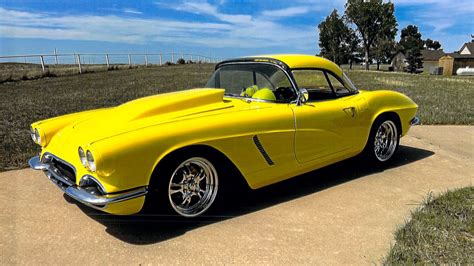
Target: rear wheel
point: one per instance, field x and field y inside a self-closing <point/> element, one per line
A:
<point x="383" y="140"/>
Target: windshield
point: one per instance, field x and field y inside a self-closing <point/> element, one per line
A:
<point x="257" y="81"/>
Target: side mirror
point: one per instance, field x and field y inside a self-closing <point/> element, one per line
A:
<point x="304" y="95"/>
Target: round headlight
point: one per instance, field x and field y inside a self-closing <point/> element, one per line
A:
<point x="90" y="161"/>
<point x="33" y="135"/>
<point x="37" y="136"/>
<point x="82" y="156"/>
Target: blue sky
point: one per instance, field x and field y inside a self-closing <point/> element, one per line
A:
<point x="220" y="28"/>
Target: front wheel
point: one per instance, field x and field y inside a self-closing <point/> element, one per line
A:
<point x="193" y="186"/>
<point x="383" y="140"/>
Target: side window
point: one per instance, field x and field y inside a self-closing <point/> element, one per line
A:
<point x="338" y="87"/>
<point x="315" y="82"/>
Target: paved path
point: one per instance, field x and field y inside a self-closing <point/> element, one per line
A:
<point x="341" y="214"/>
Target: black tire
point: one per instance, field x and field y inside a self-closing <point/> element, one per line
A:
<point x="383" y="141"/>
<point x="176" y="179"/>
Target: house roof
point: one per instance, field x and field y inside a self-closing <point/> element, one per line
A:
<point x="470" y="47"/>
<point x="432" y="55"/>
<point x="396" y="54"/>
<point x="461" y="56"/>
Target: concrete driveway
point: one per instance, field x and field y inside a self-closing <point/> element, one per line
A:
<point x="340" y="214"/>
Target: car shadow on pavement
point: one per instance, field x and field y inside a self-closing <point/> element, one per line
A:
<point x="143" y="229"/>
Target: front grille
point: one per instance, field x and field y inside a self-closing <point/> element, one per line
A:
<point x="65" y="170"/>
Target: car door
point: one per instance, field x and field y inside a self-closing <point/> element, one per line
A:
<point x="326" y="123"/>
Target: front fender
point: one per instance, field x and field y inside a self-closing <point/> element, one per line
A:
<point x="48" y="128"/>
<point x="384" y="101"/>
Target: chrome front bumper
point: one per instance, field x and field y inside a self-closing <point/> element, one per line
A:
<point x="71" y="189"/>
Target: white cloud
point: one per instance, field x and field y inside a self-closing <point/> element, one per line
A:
<point x="17" y="24"/>
<point x="287" y="12"/>
<point x="208" y="9"/>
<point x="253" y="31"/>
<point x="231" y="31"/>
<point x="132" y="11"/>
<point x="439" y="14"/>
<point x="126" y="10"/>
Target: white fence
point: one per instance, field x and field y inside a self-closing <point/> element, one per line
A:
<point x="108" y="59"/>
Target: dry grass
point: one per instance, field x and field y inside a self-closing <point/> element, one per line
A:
<point x="441" y="100"/>
<point x="24" y="102"/>
<point x="440" y="232"/>
<point x="25" y="71"/>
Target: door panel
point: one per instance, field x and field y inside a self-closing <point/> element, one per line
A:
<point x="324" y="129"/>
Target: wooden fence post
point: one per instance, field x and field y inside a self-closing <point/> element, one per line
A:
<point x="161" y="60"/>
<point x="79" y="63"/>
<point x="42" y="63"/>
<point x="172" y="57"/>
<point x="129" y="61"/>
<point x="146" y="60"/>
<point x="107" y="60"/>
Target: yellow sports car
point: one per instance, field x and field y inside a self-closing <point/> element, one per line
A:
<point x="262" y="118"/>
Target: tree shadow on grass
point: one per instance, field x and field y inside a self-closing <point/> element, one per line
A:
<point x="143" y="229"/>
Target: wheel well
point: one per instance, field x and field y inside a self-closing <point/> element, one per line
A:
<point x="394" y="116"/>
<point x="223" y="162"/>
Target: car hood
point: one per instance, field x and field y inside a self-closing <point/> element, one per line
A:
<point x="142" y="113"/>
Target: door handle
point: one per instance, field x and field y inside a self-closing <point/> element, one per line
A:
<point x="350" y="111"/>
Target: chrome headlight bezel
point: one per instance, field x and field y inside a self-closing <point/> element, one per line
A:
<point x="82" y="157"/>
<point x="33" y="135"/>
<point x="37" y="136"/>
<point x="90" y="161"/>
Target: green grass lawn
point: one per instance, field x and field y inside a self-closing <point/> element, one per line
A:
<point x="442" y="100"/>
<point x="440" y="232"/>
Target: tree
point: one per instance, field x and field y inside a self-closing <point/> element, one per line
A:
<point x="411" y="45"/>
<point x="432" y="45"/>
<point x="352" y="47"/>
<point x="373" y="19"/>
<point x="333" y="37"/>
<point x="383" y="50"/>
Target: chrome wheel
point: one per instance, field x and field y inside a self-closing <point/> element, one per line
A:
<point x="385" y="141"/>
<point x="193" y="187"/>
